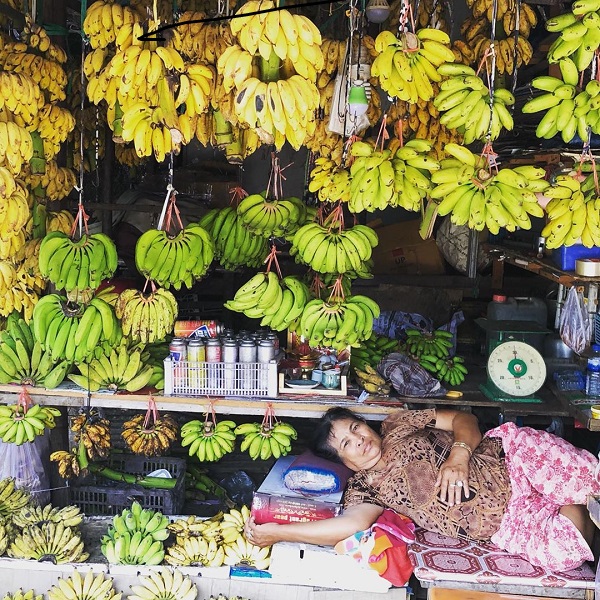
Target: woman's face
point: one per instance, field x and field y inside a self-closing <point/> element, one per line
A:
<point x="357" y="445"/>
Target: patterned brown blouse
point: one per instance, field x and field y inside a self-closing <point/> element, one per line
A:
<point x="413" y="451"/>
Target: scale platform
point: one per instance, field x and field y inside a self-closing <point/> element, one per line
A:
<point x="494" y="393"/>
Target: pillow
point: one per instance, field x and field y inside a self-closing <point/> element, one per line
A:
<point x="311" y="474"/>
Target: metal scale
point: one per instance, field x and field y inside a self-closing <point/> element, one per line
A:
<point x="515" y="369"/>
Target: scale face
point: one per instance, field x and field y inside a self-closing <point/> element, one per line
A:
<point x="516" y="369"/>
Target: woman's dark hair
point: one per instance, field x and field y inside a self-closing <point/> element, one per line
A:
<point x="320" y="440"/>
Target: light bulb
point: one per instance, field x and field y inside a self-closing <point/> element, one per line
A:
<point x="358" y="103"/>
<point x="377" y="11"/>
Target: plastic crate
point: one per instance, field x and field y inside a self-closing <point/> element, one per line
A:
<point x="570" y="380"/>
<point x="105" y="497"/>
<point x="597" y="328"/>
<point x="184" y="378"/>
<point x="565" y="256"/>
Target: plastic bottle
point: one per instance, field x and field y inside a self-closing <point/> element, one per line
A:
<point x="592" y="378"/>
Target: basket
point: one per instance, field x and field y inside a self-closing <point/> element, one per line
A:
<point x="105" y="497"/>
<point x="186" y="378"/>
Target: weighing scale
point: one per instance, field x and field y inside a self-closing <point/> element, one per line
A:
<point x="515" y="369"/>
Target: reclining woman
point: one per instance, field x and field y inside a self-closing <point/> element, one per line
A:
<point x="522" y="489"/>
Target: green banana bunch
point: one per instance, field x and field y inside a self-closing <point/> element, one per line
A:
<point x="69" y="516"/>
<point x="49" y="541"/>
<point x="91" y="587"/>
<point x="197" y="480"/>
<point x="165" y="584"/>
<point x="339" y="323"/>
<point x="330" y="248"/>
<point x="18" y="426"/>
<point x="21" y="595"/>
<point x="450" y="369"/>
<point x="263" y="440"/>
<point x="136" y="537"/>
<point x="207" y="440"/>
<point x="23" y="360"/>
<point x="173" y="261"/>
<point x="78" y="267"/>
<point x="371" y="351"/>
<point x="125" y="368"/>
<point x="380" y="178"/>
<point x="235" y="245"/>
<point x="469" y="106"/>
<point x="476" y="195"/>
<point x="436" y="343"/>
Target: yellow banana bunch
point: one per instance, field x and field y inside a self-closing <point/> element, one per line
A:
<point x="479" y="197"/>
<point x="16" y="147"/>
<point x="21" y="96"/>
<point x="380" y="178"/>
<point x="232" y="523"/>
<point x="59" y="543"/>
<point x="90" y="587"/>
<point x="201" y="42"/>
<point x="14" y="206"/>
<point x="69" y="516"/>
<point x="324" y="143"/>
<point x="55" y="124"/>
<point x="59" y="221"/>
<point x="164" y="585"/>
<point x="93" y="432"/>
<point x="126" y="155"/>
<point x="207" y="440"/>
<point x="242" y="552"/>
<point x="67" y="463"/>
<point x="150" y="439"/>
<point x="338" y="323"/>
<point x="262" y="441"/>
<point x="173" y="261"/>
<point x="371" y="381"/>
<point x="58" y="182"/>
<point x="21" y="595"/>
<point x="429" y="14"/>
<point x="195" y="551"/>
<point x="103" y="20"/>
<point x="235" y="245"/>
<point x="146" y="318"/>
<point x="330" y="182"/>
<point x="463" y="53"/>
<point x="12" y="498"/>
<point x="406" y="65"/>
<point x="466" y="104"/>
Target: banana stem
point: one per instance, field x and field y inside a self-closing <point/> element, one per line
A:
<point x="38" y="161"/>
<point x="159" y="483"/>
<point x="269" y="69"/>
<point x="223" y="133"/>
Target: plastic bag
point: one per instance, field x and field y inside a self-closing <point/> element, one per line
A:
<point x="574" y="326"/>
<point x="240" y="488"/>
<point x="25" y="464"/>
<point x="409" y="378"/>
<point x="394" y="323"/>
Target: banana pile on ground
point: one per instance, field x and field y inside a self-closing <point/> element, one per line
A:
<point x="91" y="587"/>
<point x="54" y="537"/>
<point x="568" y="110"/>
<point x="277" y="302"/>
<point x="380" y="178"/>
<point x="164" y="585"/>
<point x="93" y="431"/>
<point x="329" y="181"/>
<point x="448" y="370"/>
<point x="267" y="439"/>
<point x="21" y="595"/>
<point x="124" y="368"/>
<point x="77" y="266"/>
<point x="406" y="65"/>
<point x="281" y="102"/>
<point x="150" y="438"/>
<point x="23" y="359"/>
<point x="74" y="332"/>
<point x="371" y="381"/>
<point x="371" y="351"/>
<point x="578" y="34"/>
<point x="338" y="323"/>
<point x="174" y="260"/>
<point x="476" y="196"/>
<point x="207" y="440"/>
<point x="235" y="245"/>
<point x="465" y="100"/>
<point x="18" y="426"/>
<point x="146" y="317"/>
<point x="136" y="536"/>
<point x="511" y="51"/>
<point x="573" y="212"/>
<point x="332" y="248"/>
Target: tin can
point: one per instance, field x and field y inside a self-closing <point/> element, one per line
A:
<point x="196" y="370"/>
<point x="265" y="352"/>
<point x="274" y="339"/>
<point x="248" y="367"/>
<point x="198" y="329"/>
<point x="214" y="367"/>
<point x="229" y="356"/>
<point x="178" y="354"/>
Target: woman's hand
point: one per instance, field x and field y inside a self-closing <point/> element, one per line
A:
<point x="261" y="535"/>
<point x="453" y="478"/>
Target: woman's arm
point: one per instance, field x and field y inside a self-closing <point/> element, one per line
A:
<point x="465" y="428"/>
<point x="326" y="532"/>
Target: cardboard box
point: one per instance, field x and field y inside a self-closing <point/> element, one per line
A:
<point x="402" y="251"/>
<point x="273" y="502"/>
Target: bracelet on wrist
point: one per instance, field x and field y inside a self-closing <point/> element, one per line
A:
<point x="463" y="445"/>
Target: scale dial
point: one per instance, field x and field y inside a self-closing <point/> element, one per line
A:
<point x="516" y="368"/>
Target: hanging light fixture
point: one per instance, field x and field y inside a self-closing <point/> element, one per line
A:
<point x="377" y="11"/>
<point x="358" y="103"/>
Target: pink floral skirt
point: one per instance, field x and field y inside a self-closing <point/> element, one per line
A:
<point x="546" y="473"/>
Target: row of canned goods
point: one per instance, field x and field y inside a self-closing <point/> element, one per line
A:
<point x="213" y="362"/>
